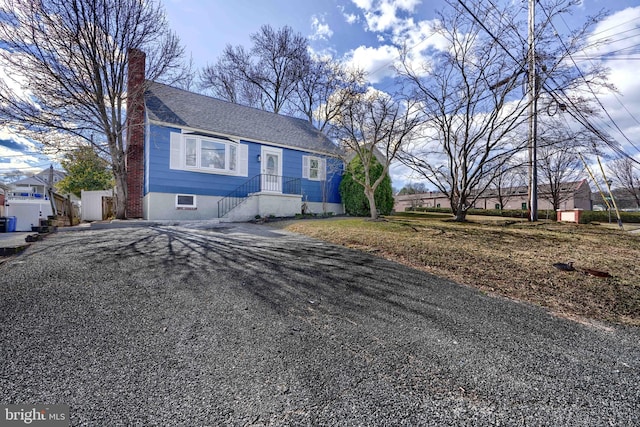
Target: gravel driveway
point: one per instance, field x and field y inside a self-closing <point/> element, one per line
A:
<point x="246" y="325"/>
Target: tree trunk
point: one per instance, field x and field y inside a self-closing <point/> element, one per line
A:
<point x="121" y="195"/>
<point x="460" y="210"/>
<point x="370" y="193"/>
<point x="461" y="215"/>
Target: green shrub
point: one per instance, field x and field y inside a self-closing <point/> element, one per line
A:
<point x="421" y="209"/>
<point x="352" y="193"/>
<point x="603" y="216"/>
<point x="586" y="217"/>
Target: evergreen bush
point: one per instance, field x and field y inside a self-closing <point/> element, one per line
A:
<point x="352" y="193"/>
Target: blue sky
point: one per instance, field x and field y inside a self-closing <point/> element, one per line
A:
<point x="369" y="32"/>
<point x="366" y="33"/>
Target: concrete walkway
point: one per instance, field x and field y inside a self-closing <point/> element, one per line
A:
<point x="12" y="243"/>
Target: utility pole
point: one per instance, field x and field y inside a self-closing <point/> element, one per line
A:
<point x="533" y="116"/>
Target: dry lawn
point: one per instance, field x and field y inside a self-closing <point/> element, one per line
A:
<point x="512" y="259"/>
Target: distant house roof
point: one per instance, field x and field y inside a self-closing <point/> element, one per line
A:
<point x="41" y="178"/>
<point x="188" y="109"/>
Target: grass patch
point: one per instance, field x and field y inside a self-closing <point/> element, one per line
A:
<point x="512" y="259"/>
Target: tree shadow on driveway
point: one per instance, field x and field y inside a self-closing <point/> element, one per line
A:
<point x="277" y="328"/>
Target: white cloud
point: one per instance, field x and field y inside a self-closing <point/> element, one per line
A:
<point x="376" y="61"/>
<point x="421" y="36"/>
<point x="616" y="35"/>
<point x="383" y="18"/>
<point x="383" y="15"/>
<point x="363" y="4"/>
<point x="612" y="42"/>
<point x="350" y="18"/>
<point x="321" y="30"/>
<point x="395" y="29"/>
<point x="22" y="157"/>
<point x="418" y="39"/>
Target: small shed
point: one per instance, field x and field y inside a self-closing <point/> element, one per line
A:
<point x="92" y="204"/>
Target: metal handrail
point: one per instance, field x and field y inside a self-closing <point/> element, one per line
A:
<point x="256" y="184"/>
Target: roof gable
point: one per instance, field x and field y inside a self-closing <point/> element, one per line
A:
<point x="31" y="180"/>
<point x="182" y="108"/>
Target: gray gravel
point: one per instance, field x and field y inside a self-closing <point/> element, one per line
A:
<point x="245" y="325"/>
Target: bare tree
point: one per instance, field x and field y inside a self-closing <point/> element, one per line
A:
<point x="413" y="188"/>
<point x="371" y="125"/>
<point x="322" y="90"/>
<point x="469" y="121"/>
<point x="559" y="165"/>
<point x="472" y="98"/>
<point x="627" y="177"/>
<point x="509" y="178"/>
<point x="266" y="76"/>
<point x="65" y="65"/>
<point x="223" y="81"/>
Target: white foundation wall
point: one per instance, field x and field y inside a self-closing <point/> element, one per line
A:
<point x="318" y="209"/>
<point x="278" y="205"/>
<point x="162" y="206"/>
<point x="159" y="206"/>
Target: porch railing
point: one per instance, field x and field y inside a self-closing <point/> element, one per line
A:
<point x="256" y="184"/>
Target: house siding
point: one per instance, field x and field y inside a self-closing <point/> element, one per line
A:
<point x="162" y="179"/>
<point x="159" y="178"/>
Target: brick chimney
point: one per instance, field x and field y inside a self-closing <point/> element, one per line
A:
<point x="135" y="133"/>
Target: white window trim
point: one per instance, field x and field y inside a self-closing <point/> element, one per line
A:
<point x="227" y="154"/>
<point x="178" y="155"/>
<point x="192" y="206"/>
<point x="306" y="168"/>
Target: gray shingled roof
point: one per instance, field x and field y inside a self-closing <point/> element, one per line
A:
<point x="187" y="109"/>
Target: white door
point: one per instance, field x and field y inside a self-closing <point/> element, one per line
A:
<point x="271" y="159"/>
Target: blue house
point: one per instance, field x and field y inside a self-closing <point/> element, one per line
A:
<point x="197" y="157"/>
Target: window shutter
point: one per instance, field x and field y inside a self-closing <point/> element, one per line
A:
<point x="243" y="160"/>
<point x="175" y="155"/>
<point x="305" y="167"/>
<point x="322" y="169"/>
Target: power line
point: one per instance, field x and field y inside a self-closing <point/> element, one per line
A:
<point x="608" y="58"/>
<point x="589" y="85"/>
<point x="606" y="41"/>
<point x="577" y="114"/>
<point x="615" y="27"/>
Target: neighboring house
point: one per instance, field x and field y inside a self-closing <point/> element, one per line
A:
<point x="38" y="184"/>
<point x="574" y="195"/>
<point x="191" y="156"/>
<point x="33" y="199"/>
<point x="3" y="192"/>
<point x="624" y="200"/>
<point x="29" y="200"/>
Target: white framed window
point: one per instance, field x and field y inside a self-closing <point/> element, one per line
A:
<point x="186" y="201"/>
<point x="206" y="154"/>
<point x="210" y="154"/>
<point x="314" y="168"/>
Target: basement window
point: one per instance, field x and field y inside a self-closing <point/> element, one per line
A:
<point x="186" y="202"/>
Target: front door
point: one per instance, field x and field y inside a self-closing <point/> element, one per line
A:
<point x="271" y="169"/>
